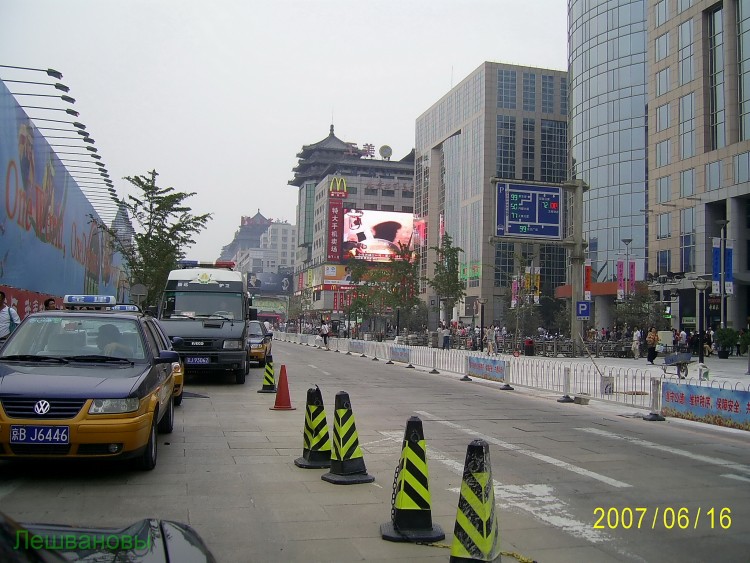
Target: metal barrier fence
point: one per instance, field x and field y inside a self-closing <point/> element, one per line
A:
<point x="622" y="385"/>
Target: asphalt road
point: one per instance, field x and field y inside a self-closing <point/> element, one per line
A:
<point x="572" y="483"/>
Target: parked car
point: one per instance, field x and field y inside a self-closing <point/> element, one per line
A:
<point x="260" y="343"/>
<point x="89" y="382"/>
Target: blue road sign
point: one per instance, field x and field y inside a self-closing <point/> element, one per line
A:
<point x="583" y="310"/>
<point x="528" y="211"/>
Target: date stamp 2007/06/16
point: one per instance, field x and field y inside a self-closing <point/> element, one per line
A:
<point x="665" y="518"/>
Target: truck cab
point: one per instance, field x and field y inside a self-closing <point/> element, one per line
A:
<point x="207" y="306"/>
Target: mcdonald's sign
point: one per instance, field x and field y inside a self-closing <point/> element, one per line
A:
<point x="337" y="187"/>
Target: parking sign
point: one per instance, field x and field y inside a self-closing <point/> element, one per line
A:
<point x="583" y="310"/>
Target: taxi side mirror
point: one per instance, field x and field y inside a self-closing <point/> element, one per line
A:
<point x="167" y="357"/>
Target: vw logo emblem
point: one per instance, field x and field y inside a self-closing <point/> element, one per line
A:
<point x="41" y="407"/>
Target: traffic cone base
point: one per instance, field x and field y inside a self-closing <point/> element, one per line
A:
<point x="347" y="479"/>
<point x="269" y="382"/>
<point x="311" y="464"/>
<point x="283" y="401"/>
<point x="431" y="534"/>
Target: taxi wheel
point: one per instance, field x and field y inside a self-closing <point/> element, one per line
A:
<point x="166" y="424"/>
<point x="239" y="376"/>
<point x="262" y="363"/>
<point x="178" y="399"/>
<point x="147" y="461"/>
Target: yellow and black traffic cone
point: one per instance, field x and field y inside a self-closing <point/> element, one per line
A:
<point x="316" y="447"/>
<point x="269" y="381"/>
<point x="347" y="462"/>
<point x="476" y="536"/>
<point x="411" y="515"/>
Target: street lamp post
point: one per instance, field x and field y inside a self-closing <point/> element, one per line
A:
<point x="482" y="303"/>
<point x="701" y="286"/>
<point x="722" y="292"/>
<point x="626" y="242"/>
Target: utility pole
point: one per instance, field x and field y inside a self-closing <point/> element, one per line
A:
<point x="577" y="247"/>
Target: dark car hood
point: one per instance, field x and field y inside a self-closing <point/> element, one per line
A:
<point x="203" y="328"/>
<point x="167" y="542"/>
<point x="110" y="381"/>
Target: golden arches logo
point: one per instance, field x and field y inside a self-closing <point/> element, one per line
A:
<point x="337" y="187"/>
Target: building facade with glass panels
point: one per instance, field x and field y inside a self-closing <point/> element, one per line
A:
<point x="502" y="121"/>
<point x="608" y="108"/>
<point x="699" y="154"/>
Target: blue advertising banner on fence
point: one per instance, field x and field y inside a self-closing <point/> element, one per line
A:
<point x="357" y="346"/>
<point x="487" y="368"/>
<point x="399" y="354"/>
<point x="722" y="407"/>
<point x="48" y="242"/>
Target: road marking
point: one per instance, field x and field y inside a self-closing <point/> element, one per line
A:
<point x="537" y="500"/>
<point x="676" y="451"/>
<point x="317" y="368"/>
<point x="736" y="477"/>
<point x="541" y="457"/>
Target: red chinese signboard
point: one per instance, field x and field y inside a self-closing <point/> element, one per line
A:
<point x="335" y="218"/>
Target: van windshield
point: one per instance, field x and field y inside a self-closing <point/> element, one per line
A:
<point x="201" y="304"/>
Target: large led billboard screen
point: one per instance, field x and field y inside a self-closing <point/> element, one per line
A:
<point x="375" y="235"/>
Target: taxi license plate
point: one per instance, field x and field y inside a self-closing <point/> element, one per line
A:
<point x="39" y="434"/>
<point x="197" y="360"/>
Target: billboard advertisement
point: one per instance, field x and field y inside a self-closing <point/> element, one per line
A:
<point x="270" y="283"/>
<point x="48" y="243"/>
<point x="375" y="235"/>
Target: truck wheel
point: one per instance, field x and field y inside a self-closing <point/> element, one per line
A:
<point x="239" y="376"/>
<point x="247" y="367"/>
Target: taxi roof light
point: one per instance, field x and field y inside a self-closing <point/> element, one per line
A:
<point x="81" y="301"/>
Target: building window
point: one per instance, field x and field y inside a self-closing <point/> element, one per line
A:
<point x="548" y="94"/>
<point x="664" y="222"/>
<point x="371" y="206"/>
<point x="385" y="207"/>
<point x="662" y="82"/>
<point x="351" y="190"/>
<point x="743" y="48"/>
<point x="687" y="126"/>
<point x="407" y="209"/>
<point x="371" y="191"/>
<point x="685" y="52"/>
<point x="687" y="239"/>
<point x="661" y="12"/>
<point x="713" y="175"/>
<point x="553" y="149"/>
<point x="716" y="80"/>
<point x="388" y="193"/>
<point x="407" y="194"/>
<point x="563" y="95"/>
<point x="506" y="89"/>
<point x="663" y="189"/>
<point x="529" y="91"/>
<point x="663" y="261"/>
<point x="742" y="168"/>
<point x="663" y="152"/>
<point x="683" y="5"/>
<point x="662" y="46"/>
<point x="529" y="149"/>
<point x="506" y="146"/>
<point x="687" y="182"/>
<point x="662" y="117"/>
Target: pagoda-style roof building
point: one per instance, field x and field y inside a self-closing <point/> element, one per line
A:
<point x="334" y="156"/>
<point x="248" y="235"/>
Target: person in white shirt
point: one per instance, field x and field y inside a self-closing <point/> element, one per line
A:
<point x="7" y="314"/>
<point x="324" y="334"/>
<point x="636" y="343"/>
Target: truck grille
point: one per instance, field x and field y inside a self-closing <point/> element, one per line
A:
<point x="59" y="408"/>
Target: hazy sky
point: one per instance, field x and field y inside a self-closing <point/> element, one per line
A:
<point x="220" y="95"/>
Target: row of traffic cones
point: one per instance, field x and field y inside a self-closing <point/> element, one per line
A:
<point x="475" y="535"/>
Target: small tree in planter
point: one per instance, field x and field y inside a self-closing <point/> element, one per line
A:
<point x="726" y="340"/>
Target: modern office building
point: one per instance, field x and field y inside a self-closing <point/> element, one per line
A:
<point x="350" y="205"/>
<point x="699" y="152"/>
<point x="502" y="121"/>
<point x="607" y="43"/>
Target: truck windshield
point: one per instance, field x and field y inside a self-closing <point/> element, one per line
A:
<point x="195" y="304"/>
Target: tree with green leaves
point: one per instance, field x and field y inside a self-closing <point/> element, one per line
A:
<point x="446" y="282"/>
<point x="164" y="227"/>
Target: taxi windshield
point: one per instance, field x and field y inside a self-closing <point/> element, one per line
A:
<point x="75" y="336"/>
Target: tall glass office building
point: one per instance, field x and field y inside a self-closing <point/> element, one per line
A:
<point x="608" y="111"/>
<point x="501" y="121"/>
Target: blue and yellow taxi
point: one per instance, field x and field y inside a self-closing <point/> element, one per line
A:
<point x="260" y="343"/>
<point x="96" y="380"/>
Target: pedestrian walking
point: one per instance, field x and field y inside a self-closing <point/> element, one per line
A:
<point x="652" y="340"/>
<point x="324" y="330"/>
<point x="9" y="318"/>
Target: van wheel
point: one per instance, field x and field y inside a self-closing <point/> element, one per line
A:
<point x="239" y="376"/>
<point x="147" y="461"/>
<point x="166" y="424"/>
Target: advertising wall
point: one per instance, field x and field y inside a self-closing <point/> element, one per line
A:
<point x="270" y="283"/>
<point x="375" y="235"/>
<point x="48" y="243"/>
